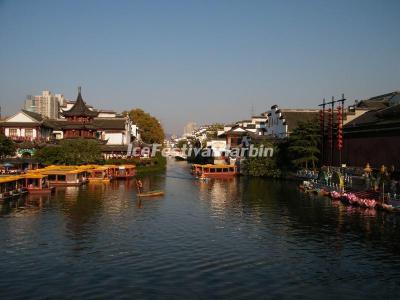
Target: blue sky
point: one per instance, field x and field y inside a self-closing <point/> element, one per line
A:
<point x="203" y="61"/>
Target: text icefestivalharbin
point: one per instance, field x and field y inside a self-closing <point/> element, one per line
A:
<point x="251" y="151"/>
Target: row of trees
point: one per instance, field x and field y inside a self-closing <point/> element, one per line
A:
<point x="71" y="152"/>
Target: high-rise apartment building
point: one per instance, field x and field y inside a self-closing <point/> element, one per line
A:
<point x="47" y="104"/>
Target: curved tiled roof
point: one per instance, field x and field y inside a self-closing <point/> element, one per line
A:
<point x="80" y="109"/>
<point x="110" y="123"/>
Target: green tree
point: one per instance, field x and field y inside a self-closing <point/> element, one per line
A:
<point x="151" y="129"/>
<point x="264" y="166"/>
<point x="50" y="155"/>
<point x="303" y="144"/>
<point x="71" y="152"/>
<point x="181" y="143"/>
<point x="7" y="146"/>
<point x="212" y="130"/>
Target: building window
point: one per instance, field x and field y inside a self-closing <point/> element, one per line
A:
<point x="13" y="132"/>
<point x="29" y="132"/>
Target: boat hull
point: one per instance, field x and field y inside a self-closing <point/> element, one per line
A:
<point x="41" y="191"/>
<point x="218" y="175"/>
<point x="151" y="194"/>
<point x="124" y="176"/>
<point x="66" y="183"/>
<point x="99" y="180"/>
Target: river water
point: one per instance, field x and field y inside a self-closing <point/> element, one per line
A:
<point x="243" y="238"/>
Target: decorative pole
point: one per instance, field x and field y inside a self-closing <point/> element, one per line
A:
<point x="341" y="126"/>
<point x="322" y="125"/>
<point x="332" y="147"/>
<point x="339" y="134"/>
<point x="330" y="127"/>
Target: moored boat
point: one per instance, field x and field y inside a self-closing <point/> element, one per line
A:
<point x="37" y="184"/>
<point x="125" y="172"/>
<point x="9" y="187"/>
<point x="63" y="177"/>
<point x="99" y="175"/>
<point x="214" y="171"/>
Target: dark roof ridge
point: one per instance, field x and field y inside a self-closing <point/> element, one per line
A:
<point x="80" y="108"/>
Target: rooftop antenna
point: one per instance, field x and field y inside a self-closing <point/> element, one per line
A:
<point x="252" y="110"/>
<point x="79" y="89"/>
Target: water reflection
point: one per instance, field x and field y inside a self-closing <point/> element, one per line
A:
<point x="237" y="238"/>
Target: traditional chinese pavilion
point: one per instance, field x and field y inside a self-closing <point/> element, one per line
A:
<point x="79" y="120"/>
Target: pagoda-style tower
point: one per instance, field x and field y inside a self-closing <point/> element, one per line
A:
<point x="79" y="120"/>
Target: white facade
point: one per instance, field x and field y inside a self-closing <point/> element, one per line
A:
<point x="218" y="147"/>
<point x="107" y="114"/>
<point x="120" y="131"/>
<point x="21" y="126"/>
<point x="276" y="125"/>
<point x="114" y="138"/>
<point x="279" y="120"/>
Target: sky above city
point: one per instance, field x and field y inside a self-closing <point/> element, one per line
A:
<point x="201" y="61"/>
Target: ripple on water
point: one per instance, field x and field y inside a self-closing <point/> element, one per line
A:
<point x="242" y="238"/>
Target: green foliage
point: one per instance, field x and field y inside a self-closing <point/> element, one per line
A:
<point x="181" y="143"/>
<point x="304" y="143"/>
<point x="71" y="152"/>
<point x="7" y="146"/>
<point x="263" y="166"/>
<point x="50" y="155"/>
<point x="152" y="131"/>
<point x="212" y="130"/>
<point x="152" y="164"/>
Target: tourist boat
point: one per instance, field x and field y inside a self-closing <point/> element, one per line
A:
<point x="8" y="187"/>
<point x="125" y="172"/>
<point x="65" y="177"/>
<point x="99" y="175"/>
<point x="20" y="187"/>
<point x="37" y="184"/>
<point x="214" y="171"/>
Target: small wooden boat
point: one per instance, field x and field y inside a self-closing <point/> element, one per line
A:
<point x="155" y="193"/>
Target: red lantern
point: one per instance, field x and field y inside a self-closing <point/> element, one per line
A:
<point x="339" y="129"/>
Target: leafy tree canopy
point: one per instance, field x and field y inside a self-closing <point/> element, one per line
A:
<point x="71" y="152"/>
<point x="7" y="146"/>
<point x="152" y="131"/>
